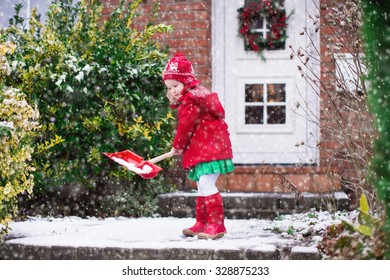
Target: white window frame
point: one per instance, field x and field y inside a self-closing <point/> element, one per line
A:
<point x="347" y="72"/>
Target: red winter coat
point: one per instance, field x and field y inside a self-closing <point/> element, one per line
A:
<point x="202" y="133"/>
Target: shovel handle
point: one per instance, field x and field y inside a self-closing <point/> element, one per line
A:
<point x="162" y="157"/>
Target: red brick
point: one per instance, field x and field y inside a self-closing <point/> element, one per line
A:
<point x="239" y="182"/>
<point x="184" y="33"/>
<point x="187" y="7"/>
<point x="300" y="182"/>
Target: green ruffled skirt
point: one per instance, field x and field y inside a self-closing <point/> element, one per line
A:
<point x="211" y="167"/>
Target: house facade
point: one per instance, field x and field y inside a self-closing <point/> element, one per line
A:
<point x="269" y="107"/>
<point x="275" y="114"/>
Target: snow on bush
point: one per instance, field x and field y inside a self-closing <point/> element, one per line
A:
<point x="18" y="120"/>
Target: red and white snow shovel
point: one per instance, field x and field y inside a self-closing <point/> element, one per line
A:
<point x="144" y="168"/>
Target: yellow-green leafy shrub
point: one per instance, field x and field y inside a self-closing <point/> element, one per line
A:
<point x="364" y="238"/>
<point x="18" y="120"/>
<point x="98" y="88"/>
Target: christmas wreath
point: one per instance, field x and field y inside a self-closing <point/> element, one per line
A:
<point x="254" y="12"/>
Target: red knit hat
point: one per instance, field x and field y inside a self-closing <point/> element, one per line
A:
<point x="179" y="69"/>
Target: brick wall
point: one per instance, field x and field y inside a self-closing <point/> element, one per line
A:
<point x="336" y="37"/>
<point x="327" y="37"/>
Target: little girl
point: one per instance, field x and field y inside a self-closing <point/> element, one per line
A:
<point x="202" y="138"/>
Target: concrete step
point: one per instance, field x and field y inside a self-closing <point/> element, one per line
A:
<point x="265" y="252"/>
<point x="254" y="205"/>
<point x="149" y="238"/>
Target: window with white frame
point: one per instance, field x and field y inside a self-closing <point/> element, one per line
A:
<point x="265" y="103"/>
<point x="350" y="72"/>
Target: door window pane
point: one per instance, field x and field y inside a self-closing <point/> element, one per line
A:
<point x="254" y="93"/>
<point x="276" y="93"/>
<point x="254" y="115"/>
<point x="276" y="114"/>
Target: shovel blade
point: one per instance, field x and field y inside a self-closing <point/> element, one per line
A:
<point x="127" y="156"/>
<point x="135" y="163"/>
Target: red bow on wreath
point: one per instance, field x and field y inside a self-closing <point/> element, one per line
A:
<point x="255" y="11"/>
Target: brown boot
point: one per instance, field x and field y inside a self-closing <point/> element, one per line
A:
<point x="201" y="218"/>
<point x="215" y="218"/>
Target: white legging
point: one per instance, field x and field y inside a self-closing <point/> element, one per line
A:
<point x="206" y="184"/>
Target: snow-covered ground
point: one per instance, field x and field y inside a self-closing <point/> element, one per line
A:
<point x="156" y="232"/>
<point x="289" y="230"/>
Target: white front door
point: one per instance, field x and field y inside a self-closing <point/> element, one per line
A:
<point x="261" y="97"/>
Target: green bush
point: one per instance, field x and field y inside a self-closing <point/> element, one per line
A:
<point x="98" y="87"/>
<point x="376" y="26"/>
<point x="17" y="125"/>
